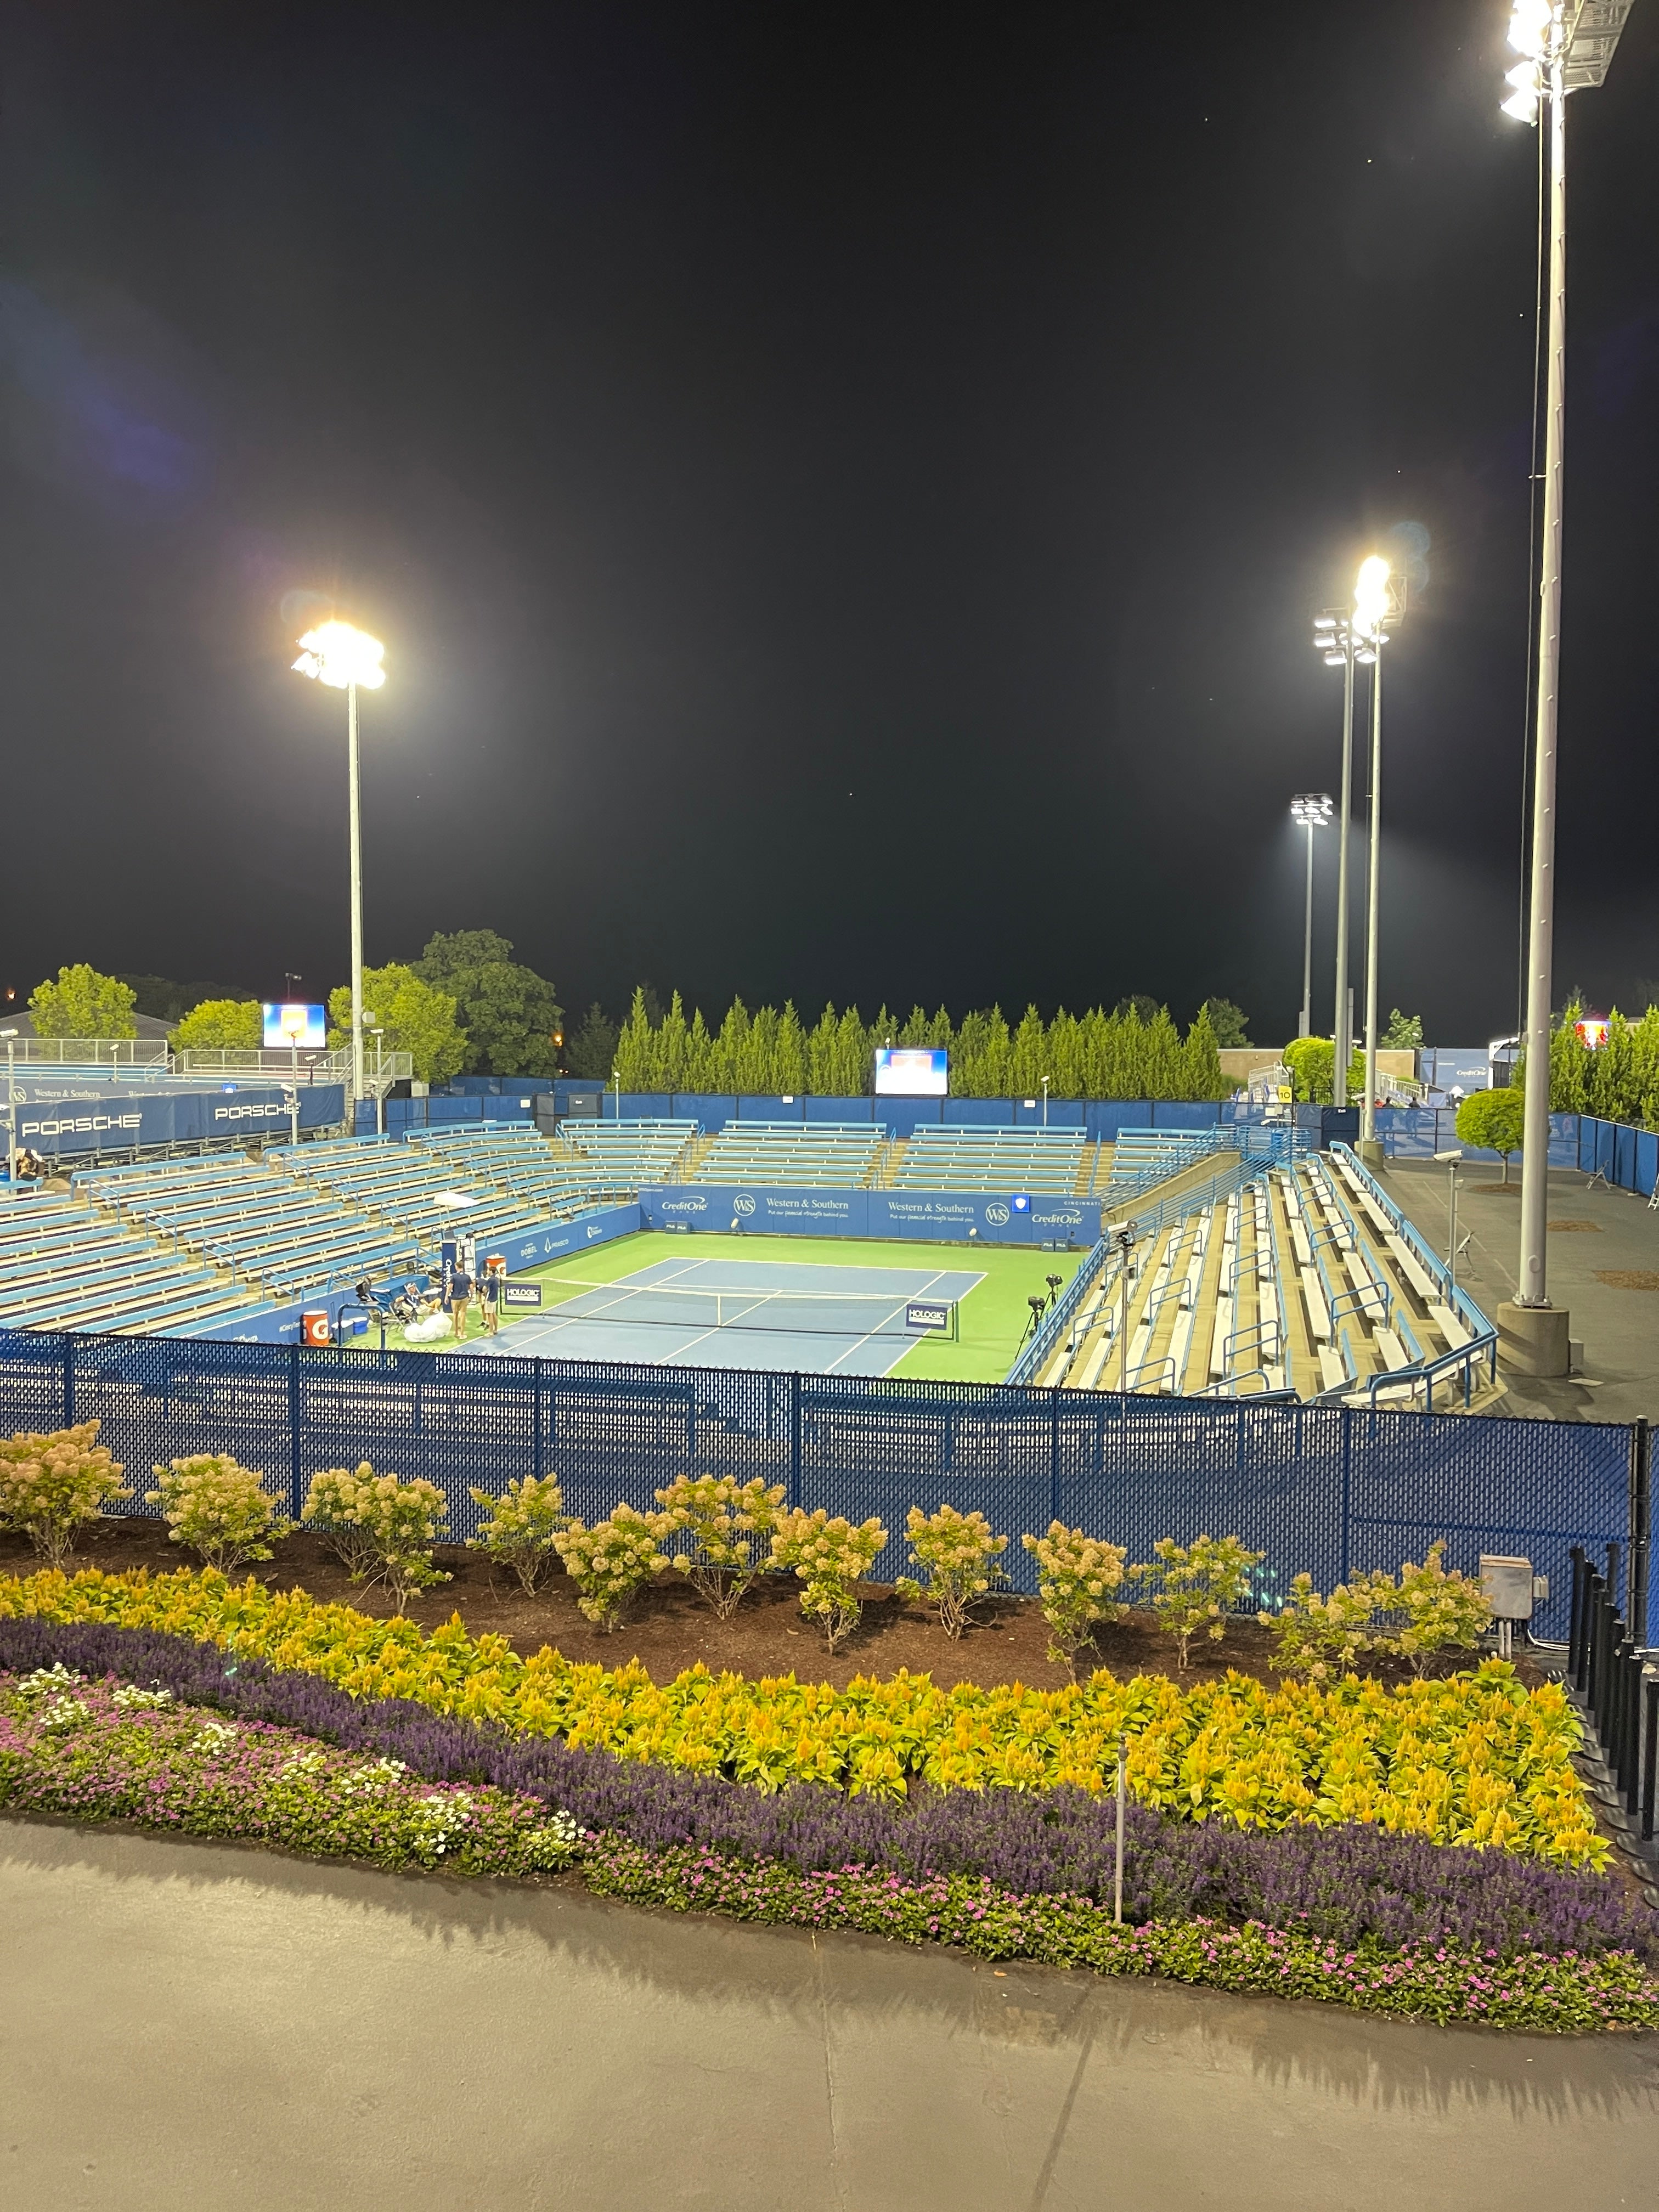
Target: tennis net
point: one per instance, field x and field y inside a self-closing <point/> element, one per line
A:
<point x="670" y="1305"/>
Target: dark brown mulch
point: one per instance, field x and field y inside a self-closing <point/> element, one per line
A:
<point x="673" y="1629"/>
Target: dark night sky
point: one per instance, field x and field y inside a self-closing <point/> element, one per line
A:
<point x="843" y="490"/>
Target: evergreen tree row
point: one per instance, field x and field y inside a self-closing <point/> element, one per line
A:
<point x="1617" y="1081"/>
<point x="770" y="1054"/>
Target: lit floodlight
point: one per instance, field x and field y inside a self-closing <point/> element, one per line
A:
<point x="1312" y="810"/>
<point x="339" y="656"/>
<point x="1530" y="26"/>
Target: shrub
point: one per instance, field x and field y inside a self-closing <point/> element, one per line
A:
<point x="1443" y="1610"/>
<point x="831" y="1558"/>
<point x="956" y="1551"/>
<point x="332" y="1513"/>
<point x="219" y="1510"/>
<point x="1318" y="1637"/>
<point x="380" y="1528"/>
<point x="1427" y="1612"/>
<point x="730" y="1524"/>
<point x="1192" y="1585"/>
<point x="523" y="1528"/>
<point x="612" y="1560"/>
<point x="52" y="1485"/>
<point x="1076" y="1576"/>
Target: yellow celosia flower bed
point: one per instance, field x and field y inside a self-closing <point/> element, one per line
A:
<point x="1476" y="1760"/>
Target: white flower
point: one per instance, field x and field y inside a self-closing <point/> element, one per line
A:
<point x="128" y="1699"/>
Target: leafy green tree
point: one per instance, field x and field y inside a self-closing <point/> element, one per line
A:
<point x="1145" y="1010"/>
<point x="416" y="1018"/>
<point x="1571" y="1064"/>
<point x="1404" y="1032"/>
<point x="512" y="1015"/>
<point x="591" y="1051"/>
<point x="82" y="1003"/>
<point x="672" y="1037"/>
<point x="221" y="1025"/>
<point x="789" y="1053"/>
<point x="1229" y="1024"/>
<point x="1312" y="1063"/>
<point x="1493" y="1120"/>
<point x="1164" y="1070"/>
<point x="1028" y="1056"/>
<point x="1065" y="1056"/>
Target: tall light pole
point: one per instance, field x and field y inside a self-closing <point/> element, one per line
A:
<point x="1377" y="602"/>
<point x="10" y="1036"/>
<point x="345" y="658"/>
<point x="1309" y="810"/>
<point x="1333" y="637"/>
<point x="1567" y="45"/>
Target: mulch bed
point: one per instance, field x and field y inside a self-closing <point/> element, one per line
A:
<point x="671" y="1629"/>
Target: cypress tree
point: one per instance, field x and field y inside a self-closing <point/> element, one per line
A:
<point x="1028" y="1056"/>
<point x="731" y="1046"/>
<point x="789" y="1053"/>
<point x="635" y="1047"/>
<point x="823" y="1046"/>
<point x="668" y="1068"/>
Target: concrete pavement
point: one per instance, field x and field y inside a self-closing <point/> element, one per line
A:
<point x="1615" y="1234"/>
<point x="187" y="2025"/>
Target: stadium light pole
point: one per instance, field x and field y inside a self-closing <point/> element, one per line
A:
<point x="10" y="1036"/>
<point x="1378" y="600"/>
<point x="1310" y="810"/>
<point x="1565" y="46"/>
<point x="345" y="658"/>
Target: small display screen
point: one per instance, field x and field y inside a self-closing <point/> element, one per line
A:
<point x="911" y="1071"/>
<point x="294" y="1024"/>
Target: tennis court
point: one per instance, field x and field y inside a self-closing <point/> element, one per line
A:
<point x="781" y="1315"/>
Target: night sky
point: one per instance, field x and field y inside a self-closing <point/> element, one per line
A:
<point x="843" y="491"/>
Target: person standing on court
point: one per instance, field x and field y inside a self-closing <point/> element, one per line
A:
<point x="460" y="1294"/>
<point x="489" y="1294"/>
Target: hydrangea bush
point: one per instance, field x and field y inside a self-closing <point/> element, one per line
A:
<point x="380" y="1527"/>
<point x="729" y="1527"/>
<point x="1077" y="1576"/>
<point x="51" y="1486"/>
<point x="957" y="1555"/>
<point x="612" y="1562"/>
<point x="1195" y="1586"/>
<point x="830" y="1557"/>
<point x="521" y="1527"/>
<point x="218" y="1509"/>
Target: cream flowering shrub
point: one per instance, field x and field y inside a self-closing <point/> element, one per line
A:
<point x="332" y="1513"/>
<point x="831" y="1558"/>
<point x="730" y="1524"/>
<point x="220" y="1511"/>
<point x="956" y="1552"/>
<point x="1195" y="1586"/>
<point x="522" y="1528"/>
<point x="612" y="1561"/>
<point x="1431" y="1609"/>
<point x="52" y="1485"/>
<point x="380" y="1528"/>
<point x="1076" y="1577"/>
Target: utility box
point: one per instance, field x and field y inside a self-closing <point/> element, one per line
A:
<point x="1508" y="1586"/>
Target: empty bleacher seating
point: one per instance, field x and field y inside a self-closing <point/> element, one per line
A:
<point x="791" y="1152"/>
<point x="626" y="1154"/>
<point x="991" y="1159"/>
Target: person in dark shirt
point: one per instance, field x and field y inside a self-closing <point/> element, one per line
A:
<point x="489" y="1294"/>
<point x="460" y="1297"/>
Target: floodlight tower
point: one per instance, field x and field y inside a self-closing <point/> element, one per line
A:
<point x="1309" y="810"/>
<point x="343" y="658"/>
<point x="1565" y="46"/>
<point x="1344" y="639"/>
<point x="1379" y="599"/>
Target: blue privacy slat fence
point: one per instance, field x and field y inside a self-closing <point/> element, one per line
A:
<point x="1330" y="1490"/>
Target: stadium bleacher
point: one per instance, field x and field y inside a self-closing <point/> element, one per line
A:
<point x="991" y="1159"/>
<point x="791" y="1153"/>
<point x="62" y="1266"/>
<point x="625" y="1154"/>
<point x="492" y="1182"/>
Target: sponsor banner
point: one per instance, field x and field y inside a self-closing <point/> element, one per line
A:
<point x="515" y="1295"/>
<point x="118" y="1122"/>
<point x="931" y="1316"/>
<point x="936" y="1217"/>
<point x="555" y="1240"/>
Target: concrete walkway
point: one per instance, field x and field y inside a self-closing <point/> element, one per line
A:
<point x="1605" y="1232"/>
<point x="190" y="2026"/>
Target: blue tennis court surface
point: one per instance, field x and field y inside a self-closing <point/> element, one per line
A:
<point x="780" y="1315"/>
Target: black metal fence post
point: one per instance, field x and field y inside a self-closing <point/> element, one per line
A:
<point x="1650" y="1754"/>
<point x="1576" y="1616"/>
<point x="1641" y="1527"/>
<point x="1619" y="1730"/>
